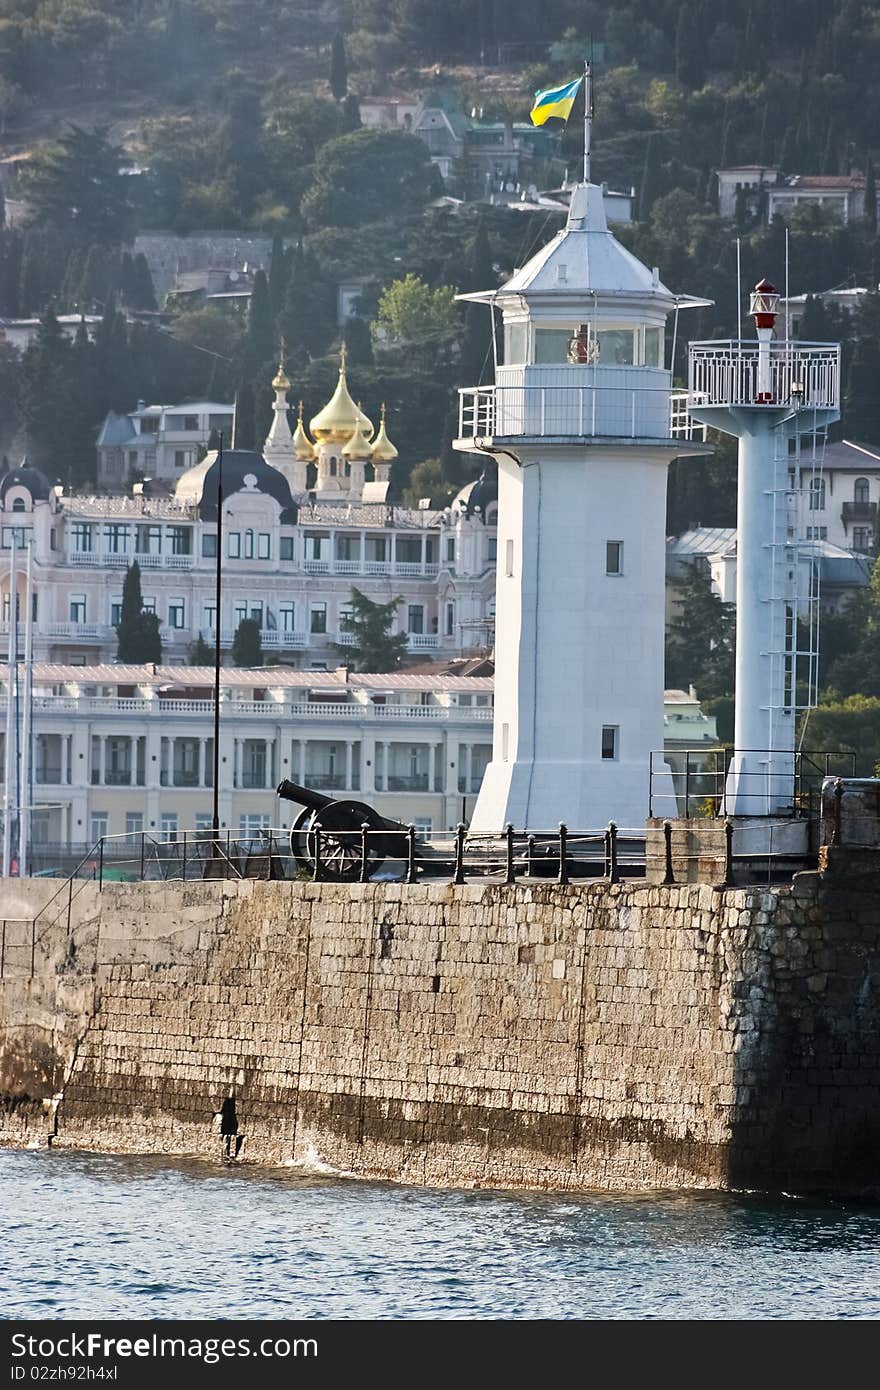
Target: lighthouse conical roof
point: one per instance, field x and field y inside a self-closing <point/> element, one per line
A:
<point x="585" y="258"/>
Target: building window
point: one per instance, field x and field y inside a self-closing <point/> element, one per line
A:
<point x="614" y="557"/>
<point x="251" y="827"/>
<point x="21" y="534"/>
<point x="176" y="612"/>
<point x="148" y="540"/>
<point x="505" y="742"/>
<point x="98" y="823"/>
<point x="150" y="604"/>
<point x="508" y="558"/>
<point x="288" y="617"/>
<point x="862" y="537"/>
<point x="817" y="495"/>
<point x="208" y="614"/>
<point x="861" y="491"/>
<point x="609" y="741"/>
<point x="285" y="548"/>
<point x="318" y="618"/>
<point x="264" y="546"/>
<point x="181" y="540"/>
<point x="233" y="548"/>
<point x="77" y="608"/>
<point x="314" y="546"/>
<point x="248" y="545"/>
<point x="134" y="825"/>
<point x="203" y="820"/>
<point x="209" y="545"/>
<point x="416" y="618"/>
<point x="116" y="537"/>
<point x="115" y="612"/>
<point x="492" y="549"/>
<point x="255" y="612"/>
<point x="82" y="537"/>
<point x="450" y="619"/>
<point x="168" y="824"/>
<point x="450" y="550"/>
<point x="817" y="533"/>
<point x="424" y="826"/>
<point x="180" y="458"/>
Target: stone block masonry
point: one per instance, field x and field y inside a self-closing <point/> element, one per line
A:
<point x="625" y="1036"/>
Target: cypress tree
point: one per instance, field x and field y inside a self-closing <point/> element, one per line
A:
<point x="247" y="645"/>
<point x="338" y="68"/>
<point x="279" y="270"/>
<point x="861" y="405"/>
<point x="143" y="288"/>
<point x="259" y="347"/>
<point x="870" y="197"/>
<point x="2" y="207"/>
<point x="294" y="318"/>
<point x="351" y="114"/>
<point x="359" y="342"/>
<point x="650" y="188"/>
<point x="243" y="425"/>
<point x="689" y="51"/>
<point x="138" y="639"/>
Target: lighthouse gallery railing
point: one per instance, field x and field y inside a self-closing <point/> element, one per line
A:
<point x="802" y="375"/>
<point x="574" y="412"/>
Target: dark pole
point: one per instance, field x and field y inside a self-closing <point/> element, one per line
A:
<point x="217" y="638"/>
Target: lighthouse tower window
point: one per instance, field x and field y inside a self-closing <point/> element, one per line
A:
<point x="609" y="741"/>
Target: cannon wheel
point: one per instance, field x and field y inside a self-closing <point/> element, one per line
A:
<point x="340" y="846"/>
<point x="298" y="839"/>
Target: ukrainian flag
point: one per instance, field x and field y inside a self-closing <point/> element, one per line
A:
<point x="555" y="101"/>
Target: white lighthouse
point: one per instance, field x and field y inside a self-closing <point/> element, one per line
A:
<point x="581" y="423"/>
<point x="768" y="393"/>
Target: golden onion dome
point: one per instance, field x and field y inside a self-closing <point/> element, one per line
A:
<point x="358" y="447"/>
<point x="340" y="417"/>
<point x="383" y="451"/>
<point x="302" y="445"/>
<point x="281" y="382"/>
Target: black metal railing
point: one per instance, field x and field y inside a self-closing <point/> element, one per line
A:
<point x="693" y="782"/>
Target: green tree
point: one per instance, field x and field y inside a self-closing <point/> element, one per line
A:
<point x="870" y="198"/>
<point x="247" y="645"/>
<point x="368" y="176"/>
<point x="849" y="726"/>
<point x="279" y="270"/>
<point x="143" y="292"/>
<point x="375" y="648"/>
<point x="359" y="342"/>
<point x="701" y="639"/>
<point x="259" y="347"/>
<point x="427" y="480"/>
<point x="413" y="315"/>
<point x="861" y="404"/>
<point x="77" y="185"/>
<point x="690" y="53"/>
<point x="853" y="636"/>
<point x="200" y="654"/>
<point x="338" y="68"/>
<point x="137" y="632"/>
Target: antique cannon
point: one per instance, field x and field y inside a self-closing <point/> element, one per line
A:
<point x="341" y="843"/>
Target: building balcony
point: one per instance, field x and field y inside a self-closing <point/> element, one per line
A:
<point x="858" y="514"/>
<point x="48" y="777"/>
<point x="325" y="781"/>
<point x="803" y="376"/>
<point x="607" y="403"/>
<point x="95" y="558"/>
<point x="422" y="641"/>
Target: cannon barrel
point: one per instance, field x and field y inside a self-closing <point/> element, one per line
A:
<point x="303" y="796"/>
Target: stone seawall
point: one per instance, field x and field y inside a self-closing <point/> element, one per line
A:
<point x="589" y="1036"/>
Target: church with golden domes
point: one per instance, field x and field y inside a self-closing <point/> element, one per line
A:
<point x="350" y="459"/>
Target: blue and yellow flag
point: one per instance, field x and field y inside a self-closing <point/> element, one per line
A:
<point x="555" y="101"/>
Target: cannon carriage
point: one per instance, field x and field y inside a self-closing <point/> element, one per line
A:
<point x="330" y="834"/>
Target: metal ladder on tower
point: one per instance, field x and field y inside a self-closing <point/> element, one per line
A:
<point x="794" y="591"/>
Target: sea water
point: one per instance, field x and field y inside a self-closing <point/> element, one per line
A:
<point x="95" y="1236"/>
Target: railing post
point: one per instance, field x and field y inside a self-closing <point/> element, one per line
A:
<point x="183" y="860"/>
<point x="2" y="948"/>
<point x="510" y="875"/>
<point x="563" y="853"/>
<point x="613" y="872"/>
<point x="411" y="854"/>
<point x="728" y="853"/>
<point x="365" y="827"/>
<point x="687" y="784"/>
<point x="458" y="876"/>
<point x="317" y="861"/>
<point x="669" y="875"/>
<point x="101" y="864"/>
<point x="530" y="855"/>
<point x="143" y="833"/>
<point x="650" y="784"/>
<point x="69" y="903"/>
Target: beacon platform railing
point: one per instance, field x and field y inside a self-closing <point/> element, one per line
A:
<point x="575" y="412"/>
<point x="692" y="782"/>
<point x="802" y="375"/>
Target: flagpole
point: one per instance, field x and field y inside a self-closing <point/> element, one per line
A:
<point x="588" y="117"/>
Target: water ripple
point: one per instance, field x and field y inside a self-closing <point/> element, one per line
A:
<point x="97" y="1236"/>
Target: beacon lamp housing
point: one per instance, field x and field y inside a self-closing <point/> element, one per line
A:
<point x="764" y="304"/>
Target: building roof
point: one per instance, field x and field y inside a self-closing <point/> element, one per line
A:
<point x="244" y="470"/>
<point x="819" y="181"/>
<point x="858" y="458"/>
<point x="33" y="479"/>
<point x="262" y="677"/>
<point x="116" y="430"/>
<point x="703" y="540"/>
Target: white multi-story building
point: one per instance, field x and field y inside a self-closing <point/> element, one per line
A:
<point x="303" y="523"/>
<point x="124" y="749"/>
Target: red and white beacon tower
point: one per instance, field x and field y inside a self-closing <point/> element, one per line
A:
<point x="767" y="394"/>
